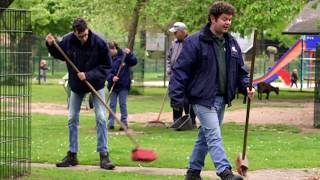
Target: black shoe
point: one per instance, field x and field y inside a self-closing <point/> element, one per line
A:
<point x="228" y="175"/>
<point x="193" y="175"/>
<point x="122" y="129"/>
<point x="69" y="160"/>
<point x="105" y="162"/>
<point x="111" y="127"/>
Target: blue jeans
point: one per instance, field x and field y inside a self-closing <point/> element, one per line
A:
<point x="100" y="111"/>
<point x="122" y="94"/>
<point x="209" y="137"/>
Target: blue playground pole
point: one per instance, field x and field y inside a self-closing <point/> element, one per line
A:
<point x="301" y="62"/>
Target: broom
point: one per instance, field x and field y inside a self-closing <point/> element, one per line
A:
<point x="158" y="121"/>
<point x="242" y="164"/>
<point x="137" y="153"/>
<point x="122" y="64"/>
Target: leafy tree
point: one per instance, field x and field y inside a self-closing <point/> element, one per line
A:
<point x="5" y="3"/>
<point x="113" y="17"/>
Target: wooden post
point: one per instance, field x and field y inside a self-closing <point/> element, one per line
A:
<point x="317" y="89"/>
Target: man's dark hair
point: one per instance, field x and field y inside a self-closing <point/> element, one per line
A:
<point x="220" y="7"/>
<point x="79" y="24"/>
<point x="113" y="45"/>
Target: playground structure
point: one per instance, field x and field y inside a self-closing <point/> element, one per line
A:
<point x="305" y="48"/>
<point x="15" y="93"/>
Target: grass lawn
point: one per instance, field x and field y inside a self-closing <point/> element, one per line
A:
<point x="46" y="174"/>
<point x="269" y="146"/>
<point x="152" y="98"/>
<point x="272" y="146"/>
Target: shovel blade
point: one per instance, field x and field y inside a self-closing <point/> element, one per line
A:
<point x="242" y="165"/>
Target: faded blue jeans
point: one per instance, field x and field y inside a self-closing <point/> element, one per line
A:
<point x="122" y="94"/>
<point x="209" y="137"/>
<point x="100" y="111"/>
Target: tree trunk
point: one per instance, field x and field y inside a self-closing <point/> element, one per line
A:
<point x="134" y="22"/>
<point x="5" y="3"/>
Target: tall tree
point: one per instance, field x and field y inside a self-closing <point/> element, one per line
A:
<point x="5" y="3"/>
<point x="134" y="22"/>
<point x="112" y="17"/>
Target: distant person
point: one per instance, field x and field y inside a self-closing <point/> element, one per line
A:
<point x="43" y="70"/>
<point x="294" y="78"/>
<point x="208" y="71"/>
<point x="121" y="83"/>
<point x="180" y="32"/>
<point x="90" y="55"/>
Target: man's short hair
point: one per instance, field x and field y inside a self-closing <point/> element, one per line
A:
<point x="220" y="7"/>
<point x="113" y="45"/>
<point x="79" y="25"/>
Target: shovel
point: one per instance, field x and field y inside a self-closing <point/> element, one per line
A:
<point x="242" y="163"/>
<point x="138" y="154"/>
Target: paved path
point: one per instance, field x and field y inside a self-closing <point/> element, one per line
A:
<point x="268" y="174"/>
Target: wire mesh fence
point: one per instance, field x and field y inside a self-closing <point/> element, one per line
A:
<point x="15" y="93"/>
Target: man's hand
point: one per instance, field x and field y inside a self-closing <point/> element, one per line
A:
<point x="176" y="108"/>
<point x="250" y="93"/>
<point x="82" y="76"/>
<point x="50" y="39"/>
<point x="126" y="50"/>
<point x="115" y="78"/>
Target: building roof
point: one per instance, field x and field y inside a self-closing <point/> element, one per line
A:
<point x="308" y="21"/>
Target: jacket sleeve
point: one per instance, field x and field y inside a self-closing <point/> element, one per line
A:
<point x="110" y="76"/>
<point x="243" y="75"/>
<point x="104" y="66"/>
<point x="181" y="73"/>
<point x="168" y="61"/>
<point x="131" y="59"/>
<point x="54" y="51"/>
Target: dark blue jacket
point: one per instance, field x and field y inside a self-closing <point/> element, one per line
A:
<point x="196" y="71"/>
<point x="124" y="81"/>
<point x="93" y="58"/>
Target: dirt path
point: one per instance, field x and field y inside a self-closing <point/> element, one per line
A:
<point x="268" y="174"/>
<point x="300" y="114"/>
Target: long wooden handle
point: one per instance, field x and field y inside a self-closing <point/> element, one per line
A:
<point x="162" y="104"/>
<point x="74" y="67"/>
<point x="244" y="149"/>
<point x="119" y="70"/>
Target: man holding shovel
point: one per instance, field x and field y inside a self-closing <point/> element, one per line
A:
<point x="208" y="71"/>
<point x="90" y="55"/>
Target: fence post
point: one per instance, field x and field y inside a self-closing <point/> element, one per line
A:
<point x="39" y="76"/>
<point x="317" y="89"/>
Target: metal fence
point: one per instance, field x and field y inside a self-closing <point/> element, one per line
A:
<point x="15" y="93"/>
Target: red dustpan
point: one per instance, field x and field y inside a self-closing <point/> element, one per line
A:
<point x="144" y="155"/>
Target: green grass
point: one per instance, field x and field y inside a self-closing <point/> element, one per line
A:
<point x="291" y="94"/>
<point x="270" y="146"/>
<point x="49" y="93"/>
<point x="152" y="98"/>
<point x="67" y="174"/>
<point x="151" y="76"/>
<point x="276" y="146"/>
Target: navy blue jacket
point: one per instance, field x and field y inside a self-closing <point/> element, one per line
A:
<point x="195" y="73"/>
<point x="92" y="58"/>
<point x="124" y="81"/>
